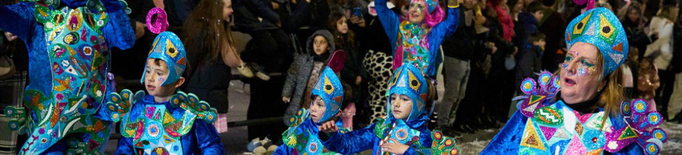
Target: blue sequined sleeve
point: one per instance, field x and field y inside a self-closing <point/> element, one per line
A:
<point x="125" y="146"/>
<point x="118" y="31"/>
<point x="438" y="33"/>
<point x="389" y="20"/>
<point x="508" y="139"/>
<point x="208" y="140"/>
<point x="18" y="19"/>
<point x="352" y="142"/>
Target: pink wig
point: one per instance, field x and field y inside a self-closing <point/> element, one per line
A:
<point x="433" y="18"/>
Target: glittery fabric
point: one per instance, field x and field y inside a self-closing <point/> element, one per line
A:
<point x="435" y="36"/>
<point x="302" y="137"/>
<point x="181" y="126"/>
<point x="329" y="88"/>
<point x="70" y="45"/>
<point x="601" y="28"/>
<point x="537" y="92"/>
<point x="159" y="23"/>
<point x="557" y="129"/>
<point x="168" y="47"/>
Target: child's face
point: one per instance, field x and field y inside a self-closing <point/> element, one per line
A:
<point x="317" y="109"/>
<point x="401" y="106"/>
<point x="538" y="15"/>
<point x="155" y="74"/>
<point x="227" y="9"/>
<point x="541" y="43"/>
<point x="342" y="26"/>
<point x="320" y="45"/>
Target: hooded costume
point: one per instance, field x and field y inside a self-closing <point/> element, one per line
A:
<point x="302" y="137"/>
<point x="183" y="125"/>
<point x="304" y="72"/>
<point x="418" y="44"/>
<point x="545" y="125"/>
<point x="412" y="131"/>
<point x="69" y="64"/>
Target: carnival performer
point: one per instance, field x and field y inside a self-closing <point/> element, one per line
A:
<point x="582" y="109"/>
<point x="164" y="122"/>
<point x="404" y="130"/>
<point x="68" y="43"/>
<point x="416" y="38"/>
<point x="302" y="137"/>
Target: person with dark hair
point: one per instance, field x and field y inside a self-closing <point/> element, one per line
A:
<point x="527" y="24"/>
<point x="211" y="53"/>
<point x="548" y="25"/>
<point x="529" y="59"/>
<point x="660" y="51"/>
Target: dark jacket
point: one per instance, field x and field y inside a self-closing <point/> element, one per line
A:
<point x="526" y="25"/>
<point x="527" y="63"/>
<point x="461" y="44"/>
<point x="554" y="38"/>
<point x="299" y="73"/>
<point x="248" y="12"/>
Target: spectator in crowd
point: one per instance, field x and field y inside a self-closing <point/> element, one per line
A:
<point x="660" y="51"/>
<point x="554" y="37"/>
<point x="631" y="73"/>
<point x="527" y="24"/>
<point x="528" y="64"/>
<point x="211" y="53"/>
<point x="353" y="72"/>
<point x="497" y="103"/>
<point x="458" y="50"/>
<point x="635" y="26"/>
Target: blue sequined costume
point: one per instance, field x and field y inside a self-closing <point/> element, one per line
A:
<point x="68" y="65"/>
<point x="417" y="44"/>
<point x="153" y="127"/>
<point x="302" y="136"/>
<point x="412" y="131"/>
<point x="545" y="125"/>
<point x="183" y="125"/>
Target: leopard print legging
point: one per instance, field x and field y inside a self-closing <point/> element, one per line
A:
<point x="378" y="65"/>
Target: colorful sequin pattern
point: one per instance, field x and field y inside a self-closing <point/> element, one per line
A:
<point x="78" y="57"/>
<point x="601" y="28"/>
<point x="156" y="130"/>
<point x="398" y="132"/>
<point x="413" y="43"/>
<point x="553" y="128"/>
<point x="303" y="141"/>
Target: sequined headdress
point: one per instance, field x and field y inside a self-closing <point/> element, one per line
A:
<point x="431" y="4"/>
<point x="601" y="28"/>
<point x="408" y="80"/>
<point x="168" y="47"/>
<point x="329" y="88"/>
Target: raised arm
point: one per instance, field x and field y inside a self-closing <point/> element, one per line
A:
<point x="18" y="19"/>
<point x="118" y="32"/>
<point x="389" y="20"/>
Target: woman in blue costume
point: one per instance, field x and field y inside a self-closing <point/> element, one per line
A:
<point x="416" y="38"/>
<point x="69" y="61"/>
<point x="302" y="137"/>
<point x="404" y="130"/>
<point x="164" y="122"/>
<point x="581" y="110"/>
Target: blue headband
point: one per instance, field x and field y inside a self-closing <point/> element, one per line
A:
<point x="601" y="28"/>
<point x="329" y="88"/>
<point x="409" y="80"/>
<point x="169" y="48"/>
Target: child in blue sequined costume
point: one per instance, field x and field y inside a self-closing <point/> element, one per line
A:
<point x="416" y="38"/>
<point x="69" y="61"/>
<point x="404" y="130"/>
<point x="164" y="122"/>
<point x="302" y="137"/>
<point x="581" y="110"/>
